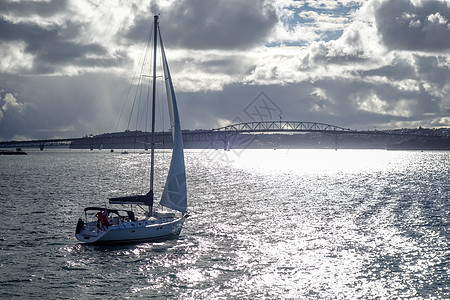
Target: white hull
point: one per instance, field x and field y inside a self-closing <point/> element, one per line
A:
<point x="131" y="231"/>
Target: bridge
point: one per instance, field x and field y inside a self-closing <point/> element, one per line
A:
<point x="38" y="143"/>
<point x="202" y="134"/>
<point x="281" y="126"/>
<point x="281" y="134"/>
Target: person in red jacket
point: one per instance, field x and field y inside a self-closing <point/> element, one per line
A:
<point x="102" y="218"/>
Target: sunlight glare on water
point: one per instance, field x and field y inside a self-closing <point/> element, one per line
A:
<point x="329" y="215"/>
<point x="314" y="224"/>
<point x="319" y="161"/>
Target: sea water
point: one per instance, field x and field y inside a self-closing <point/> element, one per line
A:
<point x="274" y="224"/>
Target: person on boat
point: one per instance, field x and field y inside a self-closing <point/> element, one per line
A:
<point x="102" y="218"/>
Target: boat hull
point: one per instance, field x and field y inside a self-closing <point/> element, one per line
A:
<point x="130" y="232"/>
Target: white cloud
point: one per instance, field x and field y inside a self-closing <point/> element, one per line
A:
<point x="331" y="4"/>
<point x="323" y="103"/>
<point x="441" y="122"/>
<point x="372" y="103"/>
<point x="9" y="106"/>
<point x="14" y="58"/>
<point x="11" y="103"/>
<point x="437" y="18"/>
<point x="319" y="93"/>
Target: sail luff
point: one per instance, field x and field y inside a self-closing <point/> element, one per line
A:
<point x="175" y="194"/>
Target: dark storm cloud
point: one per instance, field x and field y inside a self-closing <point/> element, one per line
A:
<point x="216" y="24"/>
<point x="52" y="46"/>
<point x="296" y="102"/>
<point x="61" y="106"/>
<point x="399" y="70"/>
<point x="429" y="69"/>
<point x="421" y="69"/>
<point x="28" y="32"/>
<point x="29" y="8"/>
<point x="406" y="26"/>
<point x="339" y="107"/>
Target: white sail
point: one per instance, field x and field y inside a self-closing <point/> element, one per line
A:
<point x="174" y="195"/>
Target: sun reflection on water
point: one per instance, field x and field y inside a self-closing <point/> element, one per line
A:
<point x="302" y="224"/>
<point x="319" y="161"/>
<point x="321" y="224"/>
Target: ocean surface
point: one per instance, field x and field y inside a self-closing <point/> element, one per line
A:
<point x="273" y="224"/>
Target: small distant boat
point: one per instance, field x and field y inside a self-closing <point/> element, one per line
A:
<point x="18" y="151"/>
<point x="110" y="225"/>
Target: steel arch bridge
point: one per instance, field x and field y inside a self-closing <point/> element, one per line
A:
<point x="280" y="126"/>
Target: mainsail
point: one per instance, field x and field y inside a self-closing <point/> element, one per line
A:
<point x="174" y="195"/>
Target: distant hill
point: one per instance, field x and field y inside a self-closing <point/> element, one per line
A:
<point x="398" y="139"/>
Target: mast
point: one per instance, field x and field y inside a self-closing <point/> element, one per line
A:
<point x="152" y="166"/>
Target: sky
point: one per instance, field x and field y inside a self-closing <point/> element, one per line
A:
<point x="66" y="65"/>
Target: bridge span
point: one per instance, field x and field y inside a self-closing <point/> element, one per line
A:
<point x="281" y="126"/>
<point x="280" y="134"/>
<point x="190" y="135"/>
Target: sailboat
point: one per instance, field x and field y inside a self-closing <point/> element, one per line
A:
<point x="109" y="225"/>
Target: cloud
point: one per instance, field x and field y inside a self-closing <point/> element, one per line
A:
<point x="9" y="106"/>
<point x="11" y="103"/>
<point x="14" y="59"/>
<point x="382" y="63"/>
<point x="30" y="8"/>
<point x="50" y="45"/>
<point x="216" y="24"/>
<point x="414" y="25"/>
<point x="58" y="106"/>
<point x="370" y="76"/>
<point x="332" y="4"/>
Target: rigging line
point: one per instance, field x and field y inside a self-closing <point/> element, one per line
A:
<point x="142" y="120"/>
<point x="123" y="107"/>
<point x="138" y="90"/>
<point x="143" y="76"/>
<point x="134" y="102"/>
<point x="149" y="36"/>
<point x="139" y="97"/>
<point x="161" y="97"/>
<point x="141" y="87"/>
<point x="146" y="104"/>
<point x="140" y="113"/>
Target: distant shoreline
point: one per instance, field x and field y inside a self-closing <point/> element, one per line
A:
<point x="399" y="139"/>
<point x="390" y="140"/>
